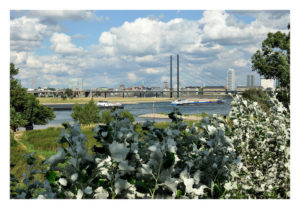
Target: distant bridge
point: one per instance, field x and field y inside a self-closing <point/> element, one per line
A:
<point x="134" y="93"/>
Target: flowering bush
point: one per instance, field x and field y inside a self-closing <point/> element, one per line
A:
<point x="262" y="141"/>
<point x="246" y="156"/>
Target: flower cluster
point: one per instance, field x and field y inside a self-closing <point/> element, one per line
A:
<point x="262" y="142"/>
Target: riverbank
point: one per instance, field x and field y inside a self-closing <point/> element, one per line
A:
<point x="125" y="100"/>
<point x="165" y="116"/>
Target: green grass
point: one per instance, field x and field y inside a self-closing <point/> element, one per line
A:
<point x="44" y="143"/>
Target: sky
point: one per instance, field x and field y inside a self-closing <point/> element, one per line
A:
<point x="107" y="48"/>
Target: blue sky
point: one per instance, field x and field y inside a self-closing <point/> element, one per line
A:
<point x="113" y="47"/>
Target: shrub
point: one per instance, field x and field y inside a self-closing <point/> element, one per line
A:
<point x="262" y="141"/>
<point x="107" y="118"/>
<point x="259" y="96"/>
<point x="87" y="113"/>
<point x="246" y="158"/>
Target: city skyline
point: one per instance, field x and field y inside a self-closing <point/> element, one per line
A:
<point x="113" y="47"/>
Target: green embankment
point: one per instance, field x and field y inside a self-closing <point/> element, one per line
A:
<point x="44" y="143"/>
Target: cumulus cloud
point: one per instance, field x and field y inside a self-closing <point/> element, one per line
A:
<point x="240" y="63"/>
<point x="155" y="70"/>
<point x="27" y="33"/>
<point x="132" y="77"/>
<point x="54" y="16"/>
<point x="61" y="44"/>
<point x="140" y="50"/>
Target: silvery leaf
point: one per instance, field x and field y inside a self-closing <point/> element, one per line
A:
<point x="121" y="185"/>
<point x="54" y="159"/>
<point x="145" y="169"/>
<point x="118" y="151"/>
<point x="104" y="134"/>
<point x="200" y="191"/>
<point x="88" y="190"/>
<point x="123" y="166"/>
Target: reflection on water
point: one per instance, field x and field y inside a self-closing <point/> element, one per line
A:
<point x="144" y="108"/>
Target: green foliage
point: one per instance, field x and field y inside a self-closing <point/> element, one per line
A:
<point x="35" y="113"/>
<point x="16" y="119"/>
<point x="87" y="113"/>
<point x="248" y="158"/>
<point x="25" y="109"/>
<point x="69" y="93"/>
<point x="106" y="116"/>
<point x="273" y="61"/>
<point x="259" y="96"/>
<point x="128" y="115"/>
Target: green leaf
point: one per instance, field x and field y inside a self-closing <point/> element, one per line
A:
<point x="51" y="176"/>
<point x="179" y="192"/>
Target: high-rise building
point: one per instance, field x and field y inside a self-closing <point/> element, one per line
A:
<point x="230" y="80"/>
<point x="250" y="80"/>
<point x="76" y="84"/>
<point x="122" y="87"/>
<point x="165" y="85"/>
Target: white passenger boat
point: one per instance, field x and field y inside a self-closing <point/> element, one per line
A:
<point x="197" y="102"/>
<point x="181" y="102"/>
<point x="105" y="104"/>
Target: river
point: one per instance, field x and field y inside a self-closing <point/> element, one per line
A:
<point x="144" y="108"/>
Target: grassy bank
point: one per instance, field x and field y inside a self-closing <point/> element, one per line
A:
<point x="125" y="100"/>
<point x="44" y="143"/>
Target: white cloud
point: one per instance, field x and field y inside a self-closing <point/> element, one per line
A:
<point x="53" y="16"/>
<point x="147" y="58"/>
<point x="155" y="70"/>
<point x="27" y="33"/>
<point x="140" y="50"/>
<point x="18" y="57"/>
<point x="132" y="77"/>
<point x="240" y="63"/>
<point x="61" y="44"/>
<point x="164" y="78"/>
<point x="33" y="62"/>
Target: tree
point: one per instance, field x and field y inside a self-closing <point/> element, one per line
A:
<point x="87" y="113"/>
<point x="69" y="93"/>
<point x="16" y="119"/>
<point x="35" y="113"/>
<point x="25" y="109"/>
<point x="273" y="61"/>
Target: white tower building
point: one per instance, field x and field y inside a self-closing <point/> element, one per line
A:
<point x="230" y="80"/>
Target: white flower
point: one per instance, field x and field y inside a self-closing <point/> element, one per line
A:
<point x="79" y="194"/>
<point x="41" y="197"/>
<point x="74" y="176"/>
<point x="63" y="181"/>
<point x="235" y="122"/>
<point x="101" y="193"/>
<point x="228" y="186"/>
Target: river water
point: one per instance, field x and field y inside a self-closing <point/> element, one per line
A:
<point x="144" y="108"/>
